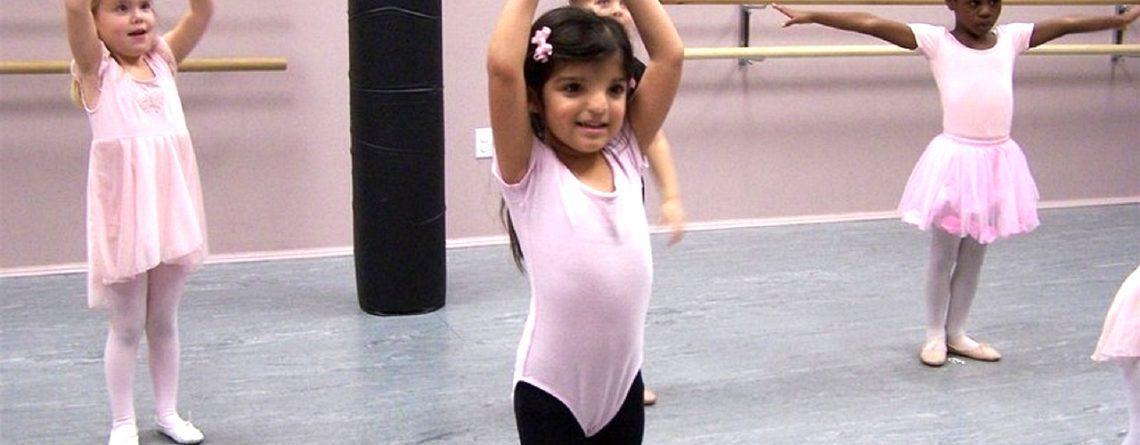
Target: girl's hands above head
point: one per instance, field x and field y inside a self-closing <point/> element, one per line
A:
<point x="190" y="28"/>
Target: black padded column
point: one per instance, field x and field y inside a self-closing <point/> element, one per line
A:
<point x="396" y="89"/>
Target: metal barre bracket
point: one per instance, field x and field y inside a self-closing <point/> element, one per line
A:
<point x="746" y="31"/>
<point x="1118" y="35"/>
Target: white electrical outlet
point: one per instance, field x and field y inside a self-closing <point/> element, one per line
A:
<point x="484" y="143"/>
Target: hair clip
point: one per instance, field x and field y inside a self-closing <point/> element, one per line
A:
<point x="542" y="50"/>
<point x="632" y="83"/>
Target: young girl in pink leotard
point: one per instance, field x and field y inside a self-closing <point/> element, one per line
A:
<point x="572" y="186"/>
<point x="972" y="185"/>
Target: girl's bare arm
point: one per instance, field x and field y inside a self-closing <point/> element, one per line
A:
<point x="190" y="28"/>
<point x="1050" y="29"/>
<point x="510" y="117"/>
<point x="658" y="86"/>
<point x="897" y="33"/>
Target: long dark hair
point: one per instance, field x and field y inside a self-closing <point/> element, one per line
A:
<point x="578" y="36"/>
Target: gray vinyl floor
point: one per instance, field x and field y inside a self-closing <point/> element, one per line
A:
<point x="803" y="334"/>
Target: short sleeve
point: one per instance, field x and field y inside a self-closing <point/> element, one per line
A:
<point x="928" y="38"/>
<point x="517" y="192"/>
<point x="1019" y="35"/>
<point x="104" y="64"/>
<point x="626" y="147"/>
<point x="162" y="49"/>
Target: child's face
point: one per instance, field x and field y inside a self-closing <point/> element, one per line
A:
<point x="609" y="8"/>
<point x="583" y="104"/>
<point x="976" y="17"/>
<point x="126" y="26"/>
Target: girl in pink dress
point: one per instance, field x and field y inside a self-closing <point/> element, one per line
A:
<point x="145" y="226"/>
<point x="572" y="186"/>
<point x="1120" y="342"/>
<point x="972" y="185"/>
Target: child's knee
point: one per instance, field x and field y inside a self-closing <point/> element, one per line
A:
<point x="126" y="334"/>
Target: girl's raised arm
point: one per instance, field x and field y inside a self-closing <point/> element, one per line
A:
<point x="190" y="28"/>
<point x="510" y="117"/>
<point x="658" y="86"/>
<point x="897" y="33"/>
<point x="1050" y="29"/>
<point x="86" y="47"/>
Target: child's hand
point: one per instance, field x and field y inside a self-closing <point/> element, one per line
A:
<point x="673" y="215"/>
<point x="794" y="17"/>
<point x="1130" y="15"/>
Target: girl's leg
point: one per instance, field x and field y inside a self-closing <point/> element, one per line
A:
<point x="628" y="426"/>
<point x="166" y="284"/>
<point x="963" y="287"/>
<point x="1131" y="368"/>
<point x="940" y="266"/>
<point x="543" y="419"/>
<point x="127" y="313"/>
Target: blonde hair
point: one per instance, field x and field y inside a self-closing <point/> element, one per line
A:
<point x="76" y="95"/>
<point x="74" y="90"/>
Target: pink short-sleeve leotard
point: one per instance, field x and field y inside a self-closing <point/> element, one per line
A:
<point x="144" y="199"/>
<point x="588" y="258"/>
<point x="973" y="179"/>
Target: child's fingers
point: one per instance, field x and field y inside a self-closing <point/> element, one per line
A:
<point x="793" y="16"/>
<point x="674" y="219"/>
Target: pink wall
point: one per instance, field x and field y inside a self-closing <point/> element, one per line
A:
<point x="781" y="138"/>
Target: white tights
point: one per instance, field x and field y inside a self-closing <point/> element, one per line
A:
<point x="951" y="282"/>
<point x="1131" y="369"/>
<point x="148" y="304"/>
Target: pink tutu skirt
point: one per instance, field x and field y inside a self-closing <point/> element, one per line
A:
<point x="966" y="187"/>
<point x="1120" y="337"/>
<point x="144" y="208"/>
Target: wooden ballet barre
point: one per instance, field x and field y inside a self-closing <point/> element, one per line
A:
<point x="810" y="51"/>
<point x="898" y="2"/>
<point x="188" y="65"/>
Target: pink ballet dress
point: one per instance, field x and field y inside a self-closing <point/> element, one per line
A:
<point x="1120" y="336"/>
<point x="973" y="179"/>
<point x="144" y="200"/>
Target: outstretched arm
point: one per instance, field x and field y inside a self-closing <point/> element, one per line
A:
<point x="190" y="28"/>
<point x="897" y="33"/>
<point x="510" y="117"/>
<point x="658" y="87"/>
<point x="672" y="213"/>
<point x="1050" y="29"/>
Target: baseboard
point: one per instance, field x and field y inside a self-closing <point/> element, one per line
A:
<point x="480" y="241"/>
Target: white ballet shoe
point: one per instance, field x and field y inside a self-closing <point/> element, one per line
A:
<point x="182" y="432"/>
<point x="124" y="435"/>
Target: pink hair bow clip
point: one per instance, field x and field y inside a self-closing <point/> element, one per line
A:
<point x="542" y="50"/>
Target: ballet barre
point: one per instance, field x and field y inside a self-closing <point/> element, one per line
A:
<point x="898" y="2"/>
<point x="810" y="51"/>
<point x="188" y="65"/>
